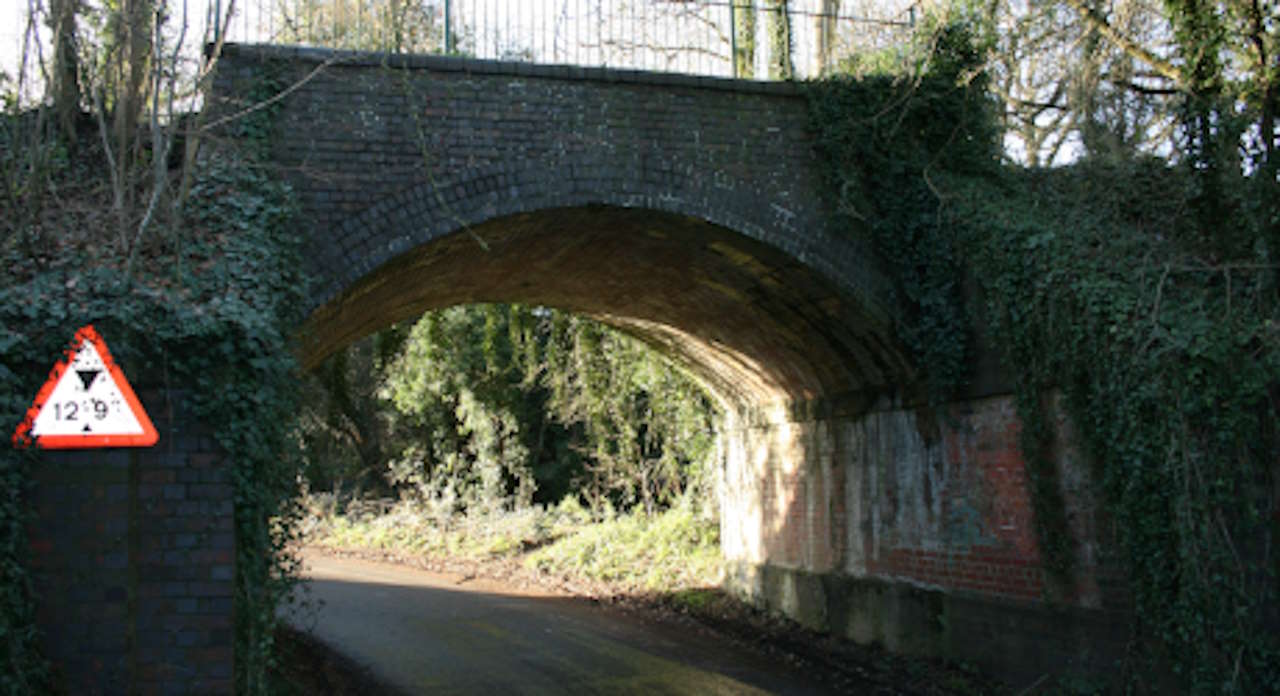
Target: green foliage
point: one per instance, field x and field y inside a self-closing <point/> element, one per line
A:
<point x="1112" y="284"/>
<point x="214" y="318"/>
<point x="1228" y="115"/>
<point x="884" y="139"/>
<point x="458" y="383"/>
<point x="345" y="435"/>
<point x="254" y="128"/>
<point x="1170" y="368"/>
<point x="504" y="405"/>
<point x="672" y="550"/>
<point x="675" y="549"/>
<point x="423" y="528"/>
<point x="648" y="429"/>
<point x="235" y="347"/>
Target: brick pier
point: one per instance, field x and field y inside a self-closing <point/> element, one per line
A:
<point x="134" y="561"/>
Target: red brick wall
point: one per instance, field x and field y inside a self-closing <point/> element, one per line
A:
<point x="987" y="480"/>
<point x="892" y="495"/>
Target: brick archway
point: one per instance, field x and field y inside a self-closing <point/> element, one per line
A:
<point x="698" y="270"/>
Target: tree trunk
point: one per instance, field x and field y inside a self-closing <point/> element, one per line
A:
<point x="744" y="58"/>
<point x="780" y="65"/>
<point x="135" y="47"/>
<point x="826" y="31"/>
<point x="64" y="84"/>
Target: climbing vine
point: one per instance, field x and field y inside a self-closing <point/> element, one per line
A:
<point x="1094" y="283"/>
<point x="208" y="307"/>
<point x="22" y="670"/>
<point x="884" y="141"/>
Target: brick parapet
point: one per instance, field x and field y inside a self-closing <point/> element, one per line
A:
<point x="392" y="156"/>
<point x="476" y="66"/>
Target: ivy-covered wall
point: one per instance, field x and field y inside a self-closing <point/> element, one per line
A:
<point x="203" y="325"/>
<point x="1141" y="296"/>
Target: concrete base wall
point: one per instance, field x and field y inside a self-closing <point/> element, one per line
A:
<point x="1018" y="641"/>
<point x="133" y="562"/>
<point x="915" y="530"/>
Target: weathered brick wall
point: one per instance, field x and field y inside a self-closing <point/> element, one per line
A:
<point x="133" y="561"/>
<point x="689" y="212"/>
<point x="391" y="155"/>
<point x="893" y="527"/>
<point x="388" y="152"/>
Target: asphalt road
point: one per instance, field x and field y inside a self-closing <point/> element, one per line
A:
<point x="427" y="633"/>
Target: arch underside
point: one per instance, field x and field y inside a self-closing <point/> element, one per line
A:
<point x="758" y="327"/>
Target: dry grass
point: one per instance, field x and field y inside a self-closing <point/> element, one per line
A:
<point x="616" y="553"/>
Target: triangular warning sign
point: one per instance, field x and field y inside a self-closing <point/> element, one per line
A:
<point x="87" y="402"/>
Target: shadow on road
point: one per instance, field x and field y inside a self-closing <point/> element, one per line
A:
<point x="425" y="633"/>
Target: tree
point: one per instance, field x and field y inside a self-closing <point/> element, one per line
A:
<point x="781" y="66"/>
<point x="825" y="24"/>
<point x="744" y="58"/>
<point x="64" y="78"/>
<point x="647" y="429"/>
<point x="502" y="405"/>
<point x="1064" y="87"/>
<point x="1221" y="69"/>
<point x="398" y="26"/>
<point x="1187" y="78"/>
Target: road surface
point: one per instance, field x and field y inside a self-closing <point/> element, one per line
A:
<point x="427" y="633"/>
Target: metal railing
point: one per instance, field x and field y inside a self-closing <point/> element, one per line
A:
<point x="729" y="38"/>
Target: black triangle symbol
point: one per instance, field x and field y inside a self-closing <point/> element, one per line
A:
<point x="86" y="429"/>
<point x="87" y="377"/>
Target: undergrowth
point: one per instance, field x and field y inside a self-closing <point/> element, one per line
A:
<point x="206" y="309"/>
<point x="676" y="549"/>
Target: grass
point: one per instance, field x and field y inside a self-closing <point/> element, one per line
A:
<point x="672" y="551"/>
<point x="669" y="551"/>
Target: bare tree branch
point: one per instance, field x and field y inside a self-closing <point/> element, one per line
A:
<point x="268" y="102"/>
<point x="1126" y="44"/>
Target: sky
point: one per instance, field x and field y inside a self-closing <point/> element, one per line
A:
<point x="503" y="29"/>
<point x="11" y="22"/>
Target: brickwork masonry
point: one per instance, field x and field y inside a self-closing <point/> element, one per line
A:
<point x="133" y="561"/>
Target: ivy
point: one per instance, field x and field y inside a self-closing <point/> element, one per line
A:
<point x="1094" y="283"/>
<point x="881" y="140"/>
<point x="22" y="669"/>
<point x="1169" y="372"/>
<point x="213" y="319"/>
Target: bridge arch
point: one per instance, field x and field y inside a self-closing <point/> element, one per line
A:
<point x="707" y="268"/>
<point x="689" y="212"/>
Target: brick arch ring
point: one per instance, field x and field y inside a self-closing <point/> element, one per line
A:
<point x="760" y="301"/>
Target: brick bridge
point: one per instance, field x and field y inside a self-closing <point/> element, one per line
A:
<point x="689" y="212"/>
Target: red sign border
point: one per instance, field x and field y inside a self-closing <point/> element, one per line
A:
<point x="22" y="437"/>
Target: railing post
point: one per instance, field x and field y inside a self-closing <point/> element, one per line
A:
<point x="448" y="34"/>
<point x="733" y="37"/>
